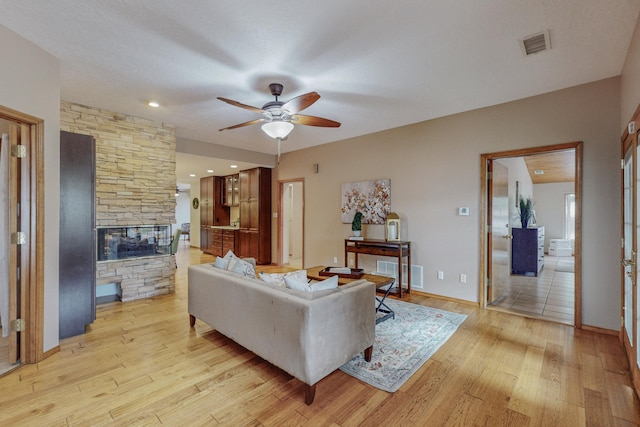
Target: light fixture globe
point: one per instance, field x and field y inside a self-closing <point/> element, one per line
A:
<point x="277" y="129"/>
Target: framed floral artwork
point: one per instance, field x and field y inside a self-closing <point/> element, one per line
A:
<point x="371" y="198"/>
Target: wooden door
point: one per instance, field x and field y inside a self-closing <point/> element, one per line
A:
<point x="630" y="331"/>
<point x="500" y="235"/>
<point x="10" y="168"/>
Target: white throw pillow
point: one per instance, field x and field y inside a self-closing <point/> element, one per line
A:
<point x="243" y="267"/>
<point x="293" y="283"/>
<point x="330" y="283"/>
<point x="221" y="263"/>
<point x="278" y="278"/>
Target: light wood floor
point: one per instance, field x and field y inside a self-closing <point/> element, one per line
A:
<point x="141" y="364"/>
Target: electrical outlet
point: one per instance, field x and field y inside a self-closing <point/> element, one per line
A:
<point x="440" y="275"/>
<point x="463" y="278"/>
<point x="335" y="259"/>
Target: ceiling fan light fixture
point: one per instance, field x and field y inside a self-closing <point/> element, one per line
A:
<point x="277" y="129"/>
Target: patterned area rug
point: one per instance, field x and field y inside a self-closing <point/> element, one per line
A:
<point x="403" y="344"/>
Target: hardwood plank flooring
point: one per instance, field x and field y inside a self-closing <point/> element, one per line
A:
<point x="141" y="364"/>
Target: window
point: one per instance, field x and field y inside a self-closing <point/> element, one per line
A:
<point x="569" y="216"/>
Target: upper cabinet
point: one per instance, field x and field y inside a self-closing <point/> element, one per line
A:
<point x="231" y="195"/>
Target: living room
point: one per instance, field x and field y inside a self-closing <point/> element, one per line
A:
<point x="434" y="169"/>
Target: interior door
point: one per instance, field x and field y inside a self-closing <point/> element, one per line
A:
<point x="500" y="235"/>
<point x="630" y="237"/>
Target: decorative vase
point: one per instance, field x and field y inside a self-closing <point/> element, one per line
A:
<point x="356" y="233"/>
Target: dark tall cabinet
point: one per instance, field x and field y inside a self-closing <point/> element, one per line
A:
<point x="527" y="251"/>
<point x="254" y="235"/>
<point x="77" y="248"/>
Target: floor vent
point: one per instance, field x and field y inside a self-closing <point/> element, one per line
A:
<point x="535" y="43"/>
<point x="391" y="269"/>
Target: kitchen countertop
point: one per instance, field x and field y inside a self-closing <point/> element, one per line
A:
<point x="225" y="227"/>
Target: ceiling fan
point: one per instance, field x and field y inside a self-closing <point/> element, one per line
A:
<point x="279" y="117"/>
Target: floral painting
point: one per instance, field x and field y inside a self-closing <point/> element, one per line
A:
<point x="371" y="198"/>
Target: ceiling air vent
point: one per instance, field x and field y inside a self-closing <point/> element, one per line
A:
<point x="535" y="43"/>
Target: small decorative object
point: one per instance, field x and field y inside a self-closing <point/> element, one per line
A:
<point x="392" y="227"/>
<point x="525" y="210"/>
<point x="356" y="224"/>
<point x="195" y="203"/>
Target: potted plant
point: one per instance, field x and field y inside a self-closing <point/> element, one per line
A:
<point x="356" y="224"/>
<point x="525" y="210"/>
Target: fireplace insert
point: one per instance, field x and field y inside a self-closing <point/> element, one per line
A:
<point x="124" y="242"/>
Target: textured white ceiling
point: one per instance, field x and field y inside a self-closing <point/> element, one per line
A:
<point x="377" y="65"/>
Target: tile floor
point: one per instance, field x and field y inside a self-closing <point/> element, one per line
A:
<point x="548" y="296"/>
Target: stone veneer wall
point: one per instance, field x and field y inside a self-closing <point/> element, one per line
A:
<point x="135" y="185"/>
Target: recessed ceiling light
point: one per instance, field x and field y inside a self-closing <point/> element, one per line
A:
<point x="209" y="170"/>
<point x="192" y="175"/>
<point x="153" y="104"/>
<point x="538" y="172"/>
<point x="234" y="166"/>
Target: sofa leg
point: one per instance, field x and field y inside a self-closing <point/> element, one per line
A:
<point x="368" y="352"/>
<point x="192" y="320"/>
<point x="309" y="393"/>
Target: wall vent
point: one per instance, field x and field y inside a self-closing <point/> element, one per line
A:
<point x="389" y="268"/>
<point x="535" y="43"/>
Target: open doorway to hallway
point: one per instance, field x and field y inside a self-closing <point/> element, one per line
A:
<point x="532" y="270"/>
<point x="291" y="223"/>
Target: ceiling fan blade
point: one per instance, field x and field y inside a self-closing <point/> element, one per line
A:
<point x="314" y="121"/>
<point x="241" y="105"/>
<point x="301" y="102"/>
<point x="252" y="122"/>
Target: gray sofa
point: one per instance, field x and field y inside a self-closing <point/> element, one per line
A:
<point x="308" y="335"/>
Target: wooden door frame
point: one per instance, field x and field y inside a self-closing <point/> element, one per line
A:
<point x="280" y="185"/>
<point x="31" y="208"/>
<point x="484" y="235"/>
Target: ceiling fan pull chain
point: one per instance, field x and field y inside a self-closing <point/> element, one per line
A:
<point x="279" y="140"/>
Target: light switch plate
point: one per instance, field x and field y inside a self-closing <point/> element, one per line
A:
<point x="463" y="211"/>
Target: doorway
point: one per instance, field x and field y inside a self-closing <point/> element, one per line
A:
<point x="524" y="271"/>
<point x="24" y="208"/>
<point x="291" y="224"/>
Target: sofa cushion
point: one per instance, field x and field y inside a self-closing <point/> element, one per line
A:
<point x="240" y="266"/>
<point x="293" y="283"/>
<point x="278" y="278"/>
<point x="221" y="263"/>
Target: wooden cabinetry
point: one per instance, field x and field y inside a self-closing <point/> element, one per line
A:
<point x="212" y="212"/>
<point x="231" y="194"/>
<point x="254" y="235"/>
<point x="527" y="251"/>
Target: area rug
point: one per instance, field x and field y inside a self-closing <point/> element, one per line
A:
<point x="403" y="344"/>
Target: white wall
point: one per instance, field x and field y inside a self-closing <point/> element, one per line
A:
<point x="519" y="173"/>
<point x="434" y="168"/>
<point x="30" y="83"/>
<point x="183" y="209"/>
<point x="549" y="208"/>
<point x="195" y="215"/>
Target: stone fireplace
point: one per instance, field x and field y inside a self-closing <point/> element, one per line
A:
<point x="135" y="185"/>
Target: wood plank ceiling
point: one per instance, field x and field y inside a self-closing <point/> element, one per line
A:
<point x="557" y="166"/>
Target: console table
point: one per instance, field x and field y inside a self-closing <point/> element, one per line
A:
<point x="396" y="249"/>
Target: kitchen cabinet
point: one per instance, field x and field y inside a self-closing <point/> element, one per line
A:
<point x="231" y="194"/>
<point x="212" y="213"/>
<point x="254" y="234"/>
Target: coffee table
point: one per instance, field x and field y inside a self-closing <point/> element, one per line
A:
<point x="380" y="282"/>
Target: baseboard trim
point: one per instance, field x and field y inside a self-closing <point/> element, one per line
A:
<point x="51" y="352"/>
<point x="600" y="330"/>
<point x="444" y="298"/>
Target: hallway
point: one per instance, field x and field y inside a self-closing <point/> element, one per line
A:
<point x="549" y="296"/>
